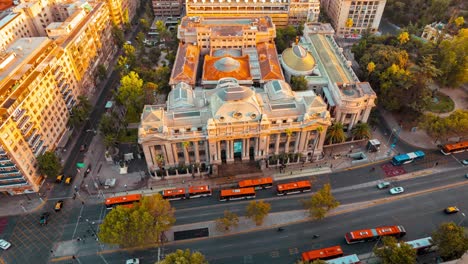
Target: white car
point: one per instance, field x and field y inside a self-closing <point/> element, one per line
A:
<point x="464" y="162"/>
<point x="4" y="244"/>
<point x="133" y="261"/>
<point x="396" y="190"/>
<point x="383" y="185"/>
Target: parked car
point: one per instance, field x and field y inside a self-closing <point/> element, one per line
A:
<point x="133" y="261"/>
<point x="44" y="218"/>
<point x="451" y="210"/>
<point x="383" y="185"/>
<point x="464" y="162"/>
<point x="4" y="244"/>
<point x="59" y="179"/>
<point x="396" y="190"/>
<point x="68" y="180"/>
<point x="83" y="147"/>
<point x="58" y="205"/>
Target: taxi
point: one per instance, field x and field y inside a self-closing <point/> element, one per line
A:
<point x="451" y="210"/>
<point x="58" y="205"/>
<point x="59" y="179"/>
<point x="68" y="180"/>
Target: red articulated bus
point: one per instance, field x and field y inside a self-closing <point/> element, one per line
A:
<point x="261" y="183"/>
<point x="293" y="187"/>
<point x="199" y="191"/>
<point x="323" y="253"/>
<point x="448" y="149"/>
<point x="374" y="234"/>
<point x="174" y="194"/>
<point x="126" y="200"/>
<point x="237" y="194"/>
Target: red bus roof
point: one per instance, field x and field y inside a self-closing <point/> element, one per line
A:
<point x="255" y="182"/>
<point x="199" y="189"/>
<point x="374" y="232"/>
<point x="172" y="192"/>
<point x="123" y="199"/>
<point x="293" y="185"/>
<point x="240" y="191"/>
<point x="459" y="145"/>
<point x="322" y="253"/>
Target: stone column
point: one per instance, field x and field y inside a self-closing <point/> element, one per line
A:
<point x="186" y="155"/>
<point x="207" y="151"/>
<point x="218" y="151"/>
<point x="296" y="143"/>
<point x="149" y="156"/>
<point x="196" y="151"/>
<point x="168" y="155"/>
<point x="353" y="120"/>
<point x="277" y="143"/>
<point x="174" y="151"/>
<point x="366" y="114"/>
<point x="286" y="146"/>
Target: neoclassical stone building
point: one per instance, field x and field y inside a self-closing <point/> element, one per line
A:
<point x="230" y="101"/>
<point x="329" y="74"/>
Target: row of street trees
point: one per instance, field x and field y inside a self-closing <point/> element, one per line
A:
<point x="318" y="205"/>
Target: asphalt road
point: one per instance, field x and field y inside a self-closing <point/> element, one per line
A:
<point x="420" y="215"/>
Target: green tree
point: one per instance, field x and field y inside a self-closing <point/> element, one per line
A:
<point x="101" y="72"/>
<point x="434" y="125"/>
<point x="131" y="94"/>
<point x="298" y="83"/>
<point x="145" y="26"/>
<point x="320" y="203"/>
<point x="284" y="37"/>
<point x="142" y="224"/>
<point x="151" y="91"/>
<point x="361" y="130"/>
<point x="395" y="82"/>
<point x="403" y="37"/>
<point x="80" y="112"/>
<point x="257" y="211"/>
<point x="140" y="38"/>
<point x="184" y="257"/>
<point x="110" y="139"/>
<point x="118" y="34"/>
<point x="453" y="61"/>
<point x="370" y="67"/>
<point x="123" y="65"/>
<point x="335" y="133"/>
<point x="392" y="253"/>
<point x="457" y="122"/>
<point x="130" y="54"/>
<point x="109" y="124"/>
<point x="228" y="221"/>
<point x="49" y="164"/>
<point x="459" y="21"/>
<point x="451" y="241"/>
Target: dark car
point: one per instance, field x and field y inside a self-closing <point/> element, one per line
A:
<point x="88" y="170"/>
<point x="44" y="218"/>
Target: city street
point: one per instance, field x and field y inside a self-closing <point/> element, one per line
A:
<point x="420" y="215"/>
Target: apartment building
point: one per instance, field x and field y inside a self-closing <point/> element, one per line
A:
<point x="40" y="81"/>
<point x="283" y="13"/>
<point x="167" y="8"/>
<point x="365" y="15"/>
<point x="34" y="111"/>
<point x="122" y="11"/>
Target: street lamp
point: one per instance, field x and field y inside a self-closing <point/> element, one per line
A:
<point x="463" y="219"/>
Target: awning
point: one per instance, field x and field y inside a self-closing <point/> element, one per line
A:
<point x="64" y="140"/>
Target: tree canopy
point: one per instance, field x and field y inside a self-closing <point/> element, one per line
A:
<point x="80" y="112"/>
<point x="131" y="94"/>
<point x="320" y="203"/>
<point x="184" y="257"/>
<point x="392" y="253"/>
<point x="453" y="60"/>
<point x="335" y="133"/>
<point x="228" y="221"/>
<point x="142" y="224"/>
<point x="299" y="83"/>
<point x="257" y="211"/>
<point x="450" y="240"/>
<point x="49" y="164"/>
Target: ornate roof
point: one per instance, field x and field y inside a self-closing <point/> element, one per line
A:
<point x="216" y="68"/>
<point x="297" y="58"/>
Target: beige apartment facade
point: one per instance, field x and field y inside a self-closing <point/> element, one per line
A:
<point x="40" y="81"/>
<point x="365" y="15"/>
<point x="167" y="8"/>
<point x="283" y="13"/>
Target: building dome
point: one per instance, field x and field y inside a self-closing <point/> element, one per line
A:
<point x="298" y="59"/>
<point x="227" y="64"/>
<point x="234" y="93"/>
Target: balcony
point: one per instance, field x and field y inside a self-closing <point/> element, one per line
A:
<point x="34" y="140"/>
<point x="59" y="77"/>
<point x="37" y="150"/>
<point x="2" y="151"/>
<point x="59" y="68"/>
<point x="9" y="178"/>
<point x="19" y="115"/>
<point x="30" y="138"/>
<point x="23" y="122"/>
<point x="70" y="102"/>
<point x="8" y="172"/>
<point x="13" y="183"/>
<point x="8" y="164"/>
<point x="43" y="150"/>
<point x="27" y="128"/>
<point x="67" y="94"/>
<point x="64" y="88"/>
<point x="4" y="158"/>
<point x="61" y="85"/>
